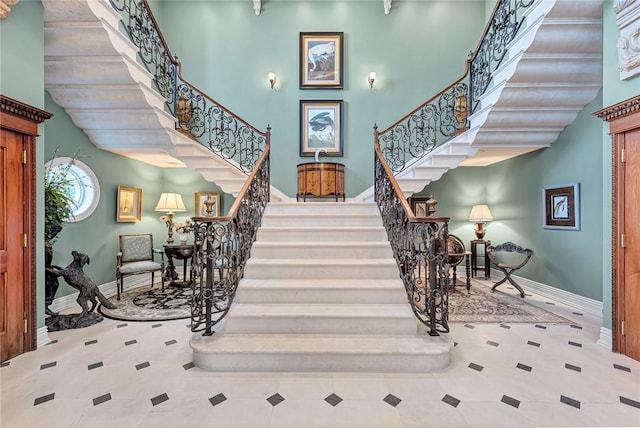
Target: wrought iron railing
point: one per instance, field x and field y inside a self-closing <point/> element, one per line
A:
<point x="198" y="116"/>
<point x="223" y="245"/>
<point x="418" y="248"/>
<point x="446" y="114"/>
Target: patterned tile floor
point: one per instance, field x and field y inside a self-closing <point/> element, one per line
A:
<point x="128" y="374"/>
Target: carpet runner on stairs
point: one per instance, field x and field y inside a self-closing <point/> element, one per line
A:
<point x="321" y="292"/>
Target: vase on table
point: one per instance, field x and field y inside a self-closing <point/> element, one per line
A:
<point x="183" y="237"/>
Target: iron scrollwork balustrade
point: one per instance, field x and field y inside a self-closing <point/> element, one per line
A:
<point x="223" y="245"/>
<point x="417" y="247"/>
<point x="199" y="116"/>
<point x="446" y="114"/>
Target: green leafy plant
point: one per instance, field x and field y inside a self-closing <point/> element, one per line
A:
<point x="58" y="201"/>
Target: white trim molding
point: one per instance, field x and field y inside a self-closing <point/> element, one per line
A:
<point x="42" y="337"/>
<point x="606" y="338"/>
<point x="628" y="44"/>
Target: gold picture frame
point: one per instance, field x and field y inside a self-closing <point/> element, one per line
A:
<point x="321" y="63"/>
<point x="200" y="207"/>
<point x="129" y="204"/>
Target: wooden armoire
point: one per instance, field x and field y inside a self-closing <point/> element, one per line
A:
<point x="624" y="126"/>
<point x="18" y="132"/>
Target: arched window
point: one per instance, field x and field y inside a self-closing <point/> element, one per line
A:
<point x="83" y="187"/>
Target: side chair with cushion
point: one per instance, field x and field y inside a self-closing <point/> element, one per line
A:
<point x="508" y="264"/>
<point x="136" y="256"/>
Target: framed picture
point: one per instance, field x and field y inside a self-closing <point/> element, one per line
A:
<point x="129" y="204"/>
<point x="561" y="205"/>
<point x="421" y="207"/>
<point x="201" y="207"/>
<point x="321" y="128"/>
<point x="321" y="63"/>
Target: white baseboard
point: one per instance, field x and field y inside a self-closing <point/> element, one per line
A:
<point x="108" y="289"/>
<point x="584" y="304"/>
<point x="42" y="337"/>
<point x="606" y="338"/>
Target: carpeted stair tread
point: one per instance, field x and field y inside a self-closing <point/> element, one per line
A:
<point x="314" y="283"/>
<point x="293" y="310"/>
<point x="324" y="262"/>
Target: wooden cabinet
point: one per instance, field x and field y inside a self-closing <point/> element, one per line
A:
<point x="320" y="179"/>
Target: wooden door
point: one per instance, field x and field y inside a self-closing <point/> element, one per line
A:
<point x="624" y="125"/>
<point x="18" y="130"/>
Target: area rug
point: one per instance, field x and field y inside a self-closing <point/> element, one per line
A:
<point x="150" y="304"/>
<point x="484" y="306"/>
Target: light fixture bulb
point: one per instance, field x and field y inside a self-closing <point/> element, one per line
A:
<point x="371" y="78"/>
<point x="272" y="79"/>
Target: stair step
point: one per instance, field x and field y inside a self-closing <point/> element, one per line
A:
<point x="307" y="318"/>
<point x="321" y="268"/>
<point x="320" y="250"/>
<point x="321" y="353"/>
<point x="338" y="291"/>
<point x="322" y="234"/>
<point x="322" y="220"/>
<point x="338" y="208"/>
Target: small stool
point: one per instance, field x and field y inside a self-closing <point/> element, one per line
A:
<point x="509" y="268"/>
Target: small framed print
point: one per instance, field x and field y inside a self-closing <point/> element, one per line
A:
<point x="201" y="206"/>
<point x="321" y="62"/>
<point x="321" y="128"/>
<point x="561" y="205"/>
<point x="129" y="204"/>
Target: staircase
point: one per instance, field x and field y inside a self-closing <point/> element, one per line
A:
<point x="321" y="292"/>
<point x="92" y="72"/>
<point x="552" y="71"/>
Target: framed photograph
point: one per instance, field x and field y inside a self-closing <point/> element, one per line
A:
<point x="561" y="205"/>
<point x="321" y="62"/>
<point x="201" y="207"/>
<point x="321" y="128"/>
<point x="421" y="207"/>
<point x="129" y="204"/>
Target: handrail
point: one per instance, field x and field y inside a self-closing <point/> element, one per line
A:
<point x="199" y="116"/>
<point x="417" y="243"/>
<point x="446" y="114"/>
<point x="223" y="246"/>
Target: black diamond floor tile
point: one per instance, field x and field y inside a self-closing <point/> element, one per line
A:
<point x="159" y="399"/>
<point x="53" y="342"/>
<point x="491" y="343"/>
<point x="577" y="313"/>
<point x="470" y="326"/>
<point x="543" y="327"/>
<point x="570" y="401"/>
<point x="94" y="365"/>
<point x="579" y="345"/>
<point x="630" y="402"/>
<point x="536" y="344"/>
<point x="48" y="365"/>
<point x="452" y="401"/>
<point x="130" y="342"/>
<point x="455" y="344"/>
<point x="189" y="365"/>
<point x="572" y="367"/>
<point x="171" y="342"/>
<point x="44" y="398"/>
<point x="5" y="364"/>
<point x="143" y="365"/>
<point x="391" y="400"/>
<point x="122" y="325"/>
<point x="550" y="303"/>
<point x="91" y="342"/>
<point x="475" y="366"/>
<point x="275" y="399"/>
<point x="505" y="326"/>
<point x="156" y="325"/>
<point x="623" y="368"/>
<point x="102" y="399"/>
<point x="510" y="401"/>
<point x="333" y="399"/>
<point x="524" y="367"/>
<point x="217" y="399"/>
<point x="579" y="327"/>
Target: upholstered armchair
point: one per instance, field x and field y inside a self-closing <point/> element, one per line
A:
<point x="136" y="256"/>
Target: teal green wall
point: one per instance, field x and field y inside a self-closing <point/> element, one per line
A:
<point x="513" y="191"/>
<point x="22" y="78"/>
<point x="97" y="235"/>
<point x="227" y="51"/>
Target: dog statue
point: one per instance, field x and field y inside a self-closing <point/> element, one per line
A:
<point x="75" y="277"/>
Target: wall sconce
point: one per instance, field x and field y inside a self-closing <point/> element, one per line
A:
<point x="480" y="214"/>
<point x="170" y="202"/>
<point x="272" y="79"/>
<point x="371" y="78"/>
